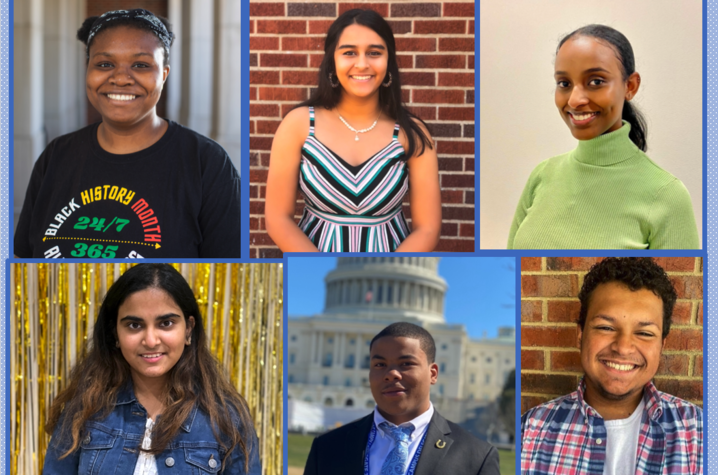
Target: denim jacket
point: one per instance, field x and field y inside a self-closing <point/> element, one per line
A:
<point x="110" y="446"/>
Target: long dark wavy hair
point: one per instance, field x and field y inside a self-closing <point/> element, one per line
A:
<point x="624" y="52"/>
<point x="196" y="379"/>
<point x="390" y="102"/>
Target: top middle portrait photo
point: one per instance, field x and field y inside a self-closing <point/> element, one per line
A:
<point x="592" y="125"/>
<point x="354" y="148"/>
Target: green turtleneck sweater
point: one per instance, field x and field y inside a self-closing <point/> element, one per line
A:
<point x="605" y="194"/>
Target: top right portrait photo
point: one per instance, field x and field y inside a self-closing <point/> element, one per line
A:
<point x="591" y="124"/>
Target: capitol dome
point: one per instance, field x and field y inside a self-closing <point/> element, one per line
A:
<point x="386" y="288"/>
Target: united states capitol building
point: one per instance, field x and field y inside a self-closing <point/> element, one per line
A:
<point x="328" y="353"/>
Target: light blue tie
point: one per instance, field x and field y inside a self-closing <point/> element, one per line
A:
<point x="395" y="463"/>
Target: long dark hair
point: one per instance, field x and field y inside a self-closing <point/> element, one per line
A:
<point x="390" y="102"/>
<point x="196" y="379"/>
<point x="624" y="52"/>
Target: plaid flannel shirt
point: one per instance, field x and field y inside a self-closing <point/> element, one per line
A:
<point x="567" y="436"/>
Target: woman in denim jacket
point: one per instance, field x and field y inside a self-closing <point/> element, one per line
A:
<point x="149" y="398"/>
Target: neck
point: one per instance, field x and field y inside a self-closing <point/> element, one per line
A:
<point x="610" y="408"/>
<point x="122" y="138"/>
<point x="359" y="108"/>
<point x="150" y="392"/>
<point x="407" y="416"/>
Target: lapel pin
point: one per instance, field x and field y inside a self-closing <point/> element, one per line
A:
<point x="440" y="444"/>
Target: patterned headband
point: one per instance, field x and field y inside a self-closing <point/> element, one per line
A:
<point x="140" y="14"/>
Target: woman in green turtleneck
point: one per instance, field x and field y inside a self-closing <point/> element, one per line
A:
<point x="605" y="194"/>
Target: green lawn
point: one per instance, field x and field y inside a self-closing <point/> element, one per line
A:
<point x="299" y="445"/>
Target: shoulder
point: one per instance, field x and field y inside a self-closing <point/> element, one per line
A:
<point x="337" y="437"/>
<point x="188" y="137"/>
<point x="297" y="120"/>
<point x="559" y="409"/>
<point x="678" y="410"/>
<point x="69" y="144"/>
<point x="462" y="436"/>
<point x="402" y="137"/>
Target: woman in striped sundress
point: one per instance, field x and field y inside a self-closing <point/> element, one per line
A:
<point x="353" y="149"/>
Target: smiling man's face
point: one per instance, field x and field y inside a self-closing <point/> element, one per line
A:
<point x="400" y="378"/>
<point x="621" y="341"/>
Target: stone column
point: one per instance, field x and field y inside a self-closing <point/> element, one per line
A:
<point x="313" y="349"/>
<point x="335" y="349"/>
<point x="320" y="347"/>
<point x="342" y="344"/>
<point x="28" y="133"/>
<point x="197" y="65"/>
<point x="357" y="351"/>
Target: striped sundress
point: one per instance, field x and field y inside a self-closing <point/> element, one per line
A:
<point x="353" y="208"/>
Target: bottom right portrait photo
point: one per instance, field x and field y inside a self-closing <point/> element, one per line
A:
<point x="611" y="365"/>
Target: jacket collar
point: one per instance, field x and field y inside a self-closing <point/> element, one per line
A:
<point x="126" y="395"/>
<point x="651" y="398"/>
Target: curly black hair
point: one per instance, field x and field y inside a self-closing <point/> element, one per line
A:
<point x="409" y="330"/>
<point x="635" y="273"/>
<point x="83" y="32"/>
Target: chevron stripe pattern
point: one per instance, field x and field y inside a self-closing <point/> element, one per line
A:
<point x="353" y="208"/>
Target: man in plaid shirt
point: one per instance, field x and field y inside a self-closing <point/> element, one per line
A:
<point x="617" y="422"/>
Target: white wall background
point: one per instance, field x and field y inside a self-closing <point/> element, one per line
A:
<point x="520" y="125"/>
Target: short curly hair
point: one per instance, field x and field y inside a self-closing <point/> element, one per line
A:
<point x="635" y="273"/>
<point x="409" y="330"/>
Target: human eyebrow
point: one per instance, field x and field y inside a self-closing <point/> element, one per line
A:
<point x="647" y="324"/>
<point x="355" y="46"/>
<point x="606" y="318"/>
<point x="377" y="357"/>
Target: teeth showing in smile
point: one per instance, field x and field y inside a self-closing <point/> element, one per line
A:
<point x="155" y="355"/>
<point x="362" y="78"/>
<point x="619" y="367"/>
<point x="121" y="97"/>
<point x="582" y="116"/>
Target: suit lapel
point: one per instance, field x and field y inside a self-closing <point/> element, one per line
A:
<point x="431" y="456"/>
<point x="352" y="461"/>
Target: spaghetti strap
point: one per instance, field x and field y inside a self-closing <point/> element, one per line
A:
<point x="396" y="131"/>
<point x="311" y="121"/>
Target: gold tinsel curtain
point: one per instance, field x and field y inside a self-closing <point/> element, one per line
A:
<point x="52" y="313"/>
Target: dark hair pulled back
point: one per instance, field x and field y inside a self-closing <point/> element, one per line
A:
<point x="390" y="102"/>
<point x="624" y="52"/>
<point x="83" y="33"/>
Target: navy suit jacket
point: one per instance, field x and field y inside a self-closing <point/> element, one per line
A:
<point x="342" y="451"/>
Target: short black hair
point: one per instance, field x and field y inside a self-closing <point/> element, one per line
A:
<point x="636" y="273"/>
<point x="409" y="330"/>
<point x="83" y="32"/>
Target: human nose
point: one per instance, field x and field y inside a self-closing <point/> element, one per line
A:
<point x="623" y="343"/>
<point x="578" y="97"/>
<point x="122" y="76"/>
<point x="151" y="339"/>
<point x="361" y="62"/>
<point x="392" y="374"/>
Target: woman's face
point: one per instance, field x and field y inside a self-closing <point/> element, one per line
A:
<point x="590" y="88"/>
<point x="152" y="333"/>
<point x="361" y="59"/>
<point x="125" y="75"/>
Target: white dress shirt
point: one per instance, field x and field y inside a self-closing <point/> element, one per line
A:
<point x="146" y="463"/>
<point x="383" y="443"/>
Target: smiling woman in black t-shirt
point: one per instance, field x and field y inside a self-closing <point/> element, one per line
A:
<point x="134" y="185"/>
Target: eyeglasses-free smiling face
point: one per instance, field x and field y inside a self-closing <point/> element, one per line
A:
<point x="125" y="75"/>
<point x="360" y="59"/>
<point x="590" y="87"/>
<point x="400" y="377"/>
<point x="152" y="333"/>
<point x="621" y="341"/>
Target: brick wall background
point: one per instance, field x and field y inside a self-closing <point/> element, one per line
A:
<point x="435" y="50"/>
<point x="550" y="359"/>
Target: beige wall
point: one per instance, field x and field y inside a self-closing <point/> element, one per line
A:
<point x="520" y="126"/>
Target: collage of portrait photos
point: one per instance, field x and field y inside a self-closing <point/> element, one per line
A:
<point x="170" y="170"/>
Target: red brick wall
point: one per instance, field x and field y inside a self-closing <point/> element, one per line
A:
<point x="550" y="359"/>
<point x="435" y="46"/>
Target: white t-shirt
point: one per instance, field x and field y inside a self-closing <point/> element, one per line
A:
<point x="622" y="443"/>
<point x="146" y="463"/>
<point x="383" y="443"/>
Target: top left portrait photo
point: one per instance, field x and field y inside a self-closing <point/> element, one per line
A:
<point x="126" y="129"/>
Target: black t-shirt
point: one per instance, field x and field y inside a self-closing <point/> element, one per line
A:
<point x="179" y="198"/>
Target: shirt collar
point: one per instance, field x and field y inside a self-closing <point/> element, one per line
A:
<point x="651" y="398"/>
<point x="607" y="149"/>
<point x="420" y="422"/>
<point x="126" y="395"/>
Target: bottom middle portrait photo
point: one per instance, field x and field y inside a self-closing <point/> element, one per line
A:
<point x="401" y="365"/>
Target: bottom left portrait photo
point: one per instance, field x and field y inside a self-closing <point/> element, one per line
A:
<point x="145" y="368"/>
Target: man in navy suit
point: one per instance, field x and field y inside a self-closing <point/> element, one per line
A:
<point x="404" y="435"/>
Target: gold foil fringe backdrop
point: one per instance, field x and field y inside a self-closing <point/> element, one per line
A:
<point x="52" y="315"/>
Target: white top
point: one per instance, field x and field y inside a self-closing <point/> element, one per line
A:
<point x="146" y="463"/>
<point x="622" y="443"/>
<point x="383" y="443"/>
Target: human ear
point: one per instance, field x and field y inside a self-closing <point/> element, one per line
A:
<point x="434" y="370"/>
<point x="165" y="73"/>
<point x="188" y="332"/>
<point x="578" y="337"/>
<point x="632" y="84"/>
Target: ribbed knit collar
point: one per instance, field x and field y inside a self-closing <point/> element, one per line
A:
<point x="607" y="149"/>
